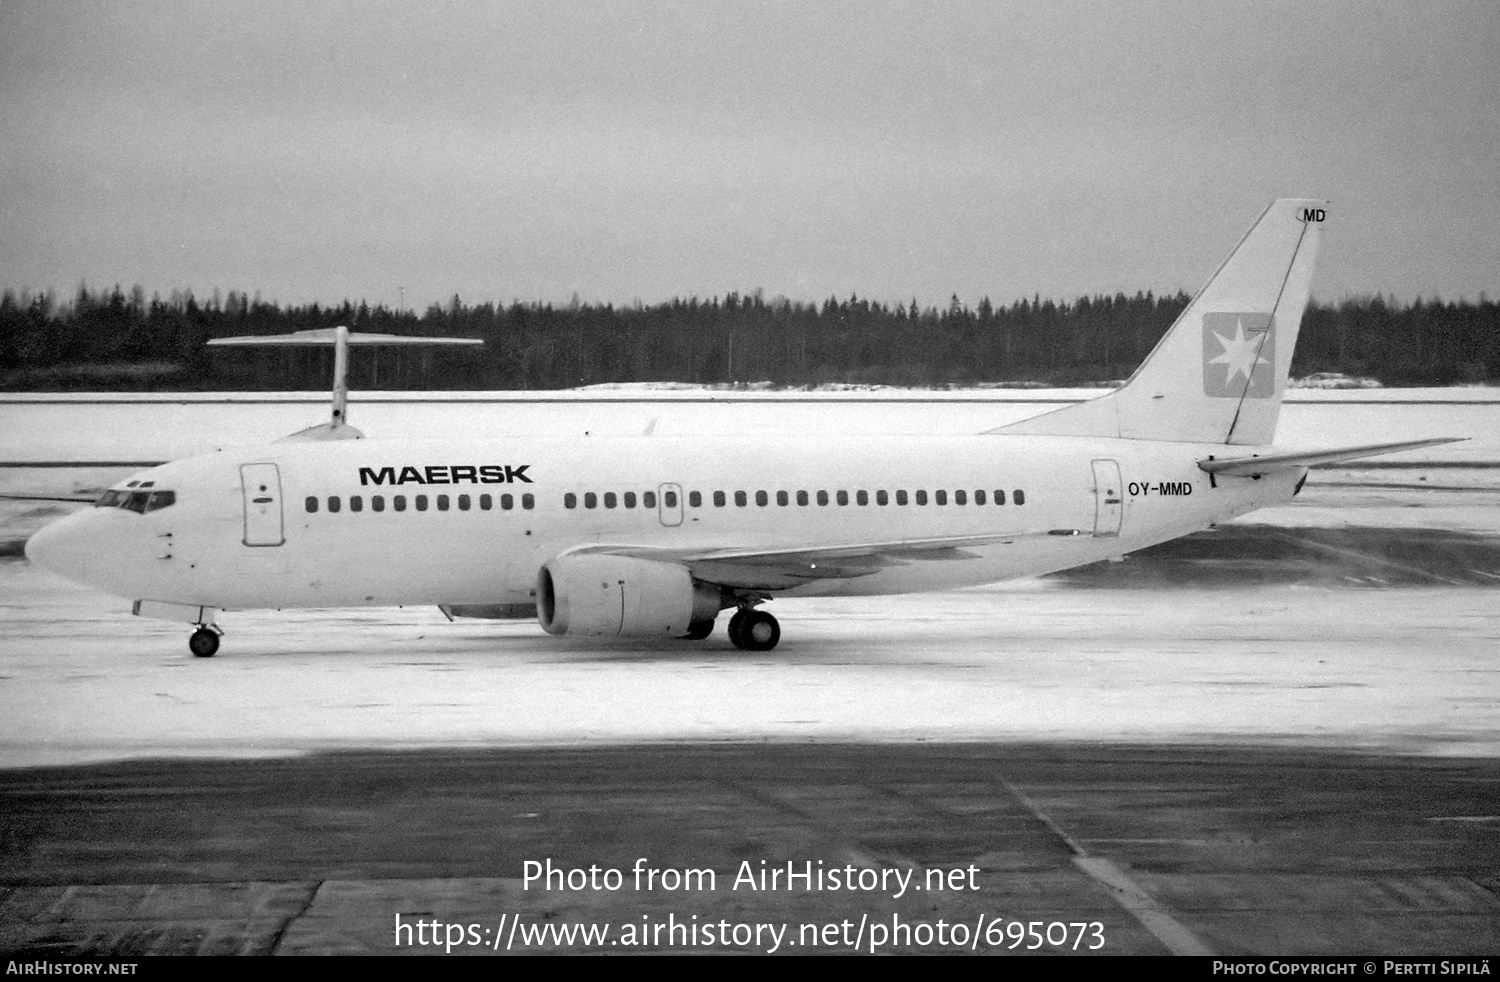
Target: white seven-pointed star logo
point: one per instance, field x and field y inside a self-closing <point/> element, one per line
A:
<point x="1240" y="353"/>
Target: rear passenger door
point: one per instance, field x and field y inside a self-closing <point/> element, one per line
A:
<point x="1108" y="498"/>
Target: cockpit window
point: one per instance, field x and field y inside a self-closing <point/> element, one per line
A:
<point x="137" y="501"/>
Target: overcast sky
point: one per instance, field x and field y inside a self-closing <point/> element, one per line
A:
<point x="318" y="151"/>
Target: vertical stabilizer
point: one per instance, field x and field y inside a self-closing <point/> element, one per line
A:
<point x="1219" y="373"/>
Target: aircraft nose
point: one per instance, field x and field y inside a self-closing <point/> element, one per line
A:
<point x="64" y="547"/>
<point x="39" y="546"/>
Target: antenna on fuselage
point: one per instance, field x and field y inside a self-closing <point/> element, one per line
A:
<point x="337" y="427"/>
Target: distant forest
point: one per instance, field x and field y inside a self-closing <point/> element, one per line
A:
<point x="114" y="340"/>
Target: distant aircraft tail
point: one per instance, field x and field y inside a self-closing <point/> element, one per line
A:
<point x="340" y="338"/>
<point x="1219" y="373"/>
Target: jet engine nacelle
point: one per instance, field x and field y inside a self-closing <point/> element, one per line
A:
<point x="619" y="595"/>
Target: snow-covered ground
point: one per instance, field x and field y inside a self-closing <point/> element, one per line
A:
<point x="1406" y="670"/>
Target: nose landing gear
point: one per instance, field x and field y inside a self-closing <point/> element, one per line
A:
<point x="754" y="630"/>
<point x="204" y="642"/>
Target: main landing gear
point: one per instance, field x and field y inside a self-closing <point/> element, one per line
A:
<point x="699" y="630"/>
<point x="204" y="642"/>
<point x="754" y="630"/>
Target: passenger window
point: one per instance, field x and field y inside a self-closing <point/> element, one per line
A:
<point x="669" y="498"/>
<point x="842" y="497"/>
<point x="900" y="497"/>
<point x="507" y="502"/>
<point x="590" y="500"/>
<point x="960" y="497"/>
<point x="822" y="497"/>
<point x="881" y="498"/>
<point x="610" y="501"/>
<point x="802" y="498"/>
<point x="421" y="502"/>
<point x="528" y="501"/>
<point x="356" y="503"/>
<point x="1018" y="496"/>
<point x="782" y="499"/>
<point x="486" y="502"/>
<point x="377" y="503"/>
<point x="978" y="497"/>
<point x="921" y="497"/>
<point x="311" y="503"/>
<point x="999" y="497"/>
<point x="333" y="503"/>
<point x="463" y="502"/>
<point x="941" y="497"/>
<point x="630" y="499"/>
<point x="740" y="500"/>
<point x="718" y="499"/>
<point x="695" y="499"/>
<point x="648" y="499"/>
<point x="761" y="499"/>
<point x="862" y="497"/>
<point x="399" y="502"/>
<point x="442" y="502"/>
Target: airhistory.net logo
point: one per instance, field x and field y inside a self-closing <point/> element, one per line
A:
<point x="1239" y="355"/>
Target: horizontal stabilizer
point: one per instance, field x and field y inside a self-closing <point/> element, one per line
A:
<point x="329" y="335"/>
<point x="340" y="338"/>
<point x="1255" y="466"/>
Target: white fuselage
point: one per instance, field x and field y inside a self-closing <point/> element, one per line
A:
<point x="255" y="527"/>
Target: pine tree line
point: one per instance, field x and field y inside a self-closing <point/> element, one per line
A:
<point x="118" y="340"/>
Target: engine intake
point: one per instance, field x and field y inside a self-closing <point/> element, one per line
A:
<point x="600" y="594"/>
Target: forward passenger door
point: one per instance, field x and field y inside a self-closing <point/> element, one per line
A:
<point x="261" y="487"/>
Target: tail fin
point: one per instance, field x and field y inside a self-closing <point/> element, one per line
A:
<point x="1219" y="373"/>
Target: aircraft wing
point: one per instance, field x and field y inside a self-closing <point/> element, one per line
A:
<point x="781" y="569"/>
<point x="1265" y="464"/>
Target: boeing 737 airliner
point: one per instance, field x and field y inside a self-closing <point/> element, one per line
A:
<point x="656" y="536"/>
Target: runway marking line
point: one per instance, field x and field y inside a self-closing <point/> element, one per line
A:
<point x="1365" y="557"/>
<point x="312" y="896"/>
<point x="1153" y="916"/>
